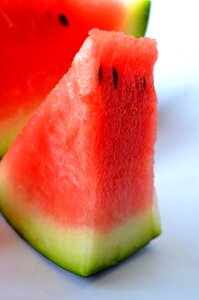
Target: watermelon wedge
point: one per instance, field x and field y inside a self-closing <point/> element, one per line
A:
<point x="77" y="183"/>
<point x="38" y="42"/>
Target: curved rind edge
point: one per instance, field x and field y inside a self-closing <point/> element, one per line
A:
<point x="137" y="19"/>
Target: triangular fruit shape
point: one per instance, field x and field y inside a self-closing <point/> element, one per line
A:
<point x="77" y="183"/>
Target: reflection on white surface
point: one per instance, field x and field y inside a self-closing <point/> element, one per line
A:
<point x="169" y="267"/>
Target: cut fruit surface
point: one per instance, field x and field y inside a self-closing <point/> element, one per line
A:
<point x="78" y="182"/>
<point x="45" y="36"/>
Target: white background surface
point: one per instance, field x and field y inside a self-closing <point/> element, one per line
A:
<point x="169" y="267"/>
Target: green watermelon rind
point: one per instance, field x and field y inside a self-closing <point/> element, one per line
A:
<point x="138" y="17"/>
<point x="82" y="250"/>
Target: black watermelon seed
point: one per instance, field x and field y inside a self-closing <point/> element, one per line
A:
<point x="100" y="74"/>
<point x="63" y="20"/>
<point x="115" y="77"/>
<point x="143" y="84"/>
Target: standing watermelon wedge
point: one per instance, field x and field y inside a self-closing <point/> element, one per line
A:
<point x="77" y="183"/>
<point x="38" y="40"/>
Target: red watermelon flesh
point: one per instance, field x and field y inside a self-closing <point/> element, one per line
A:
<point x="38" y="42"/>
<point x="78" y="181"/>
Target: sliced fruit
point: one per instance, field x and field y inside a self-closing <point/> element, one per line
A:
<point x="38" y="42"/>
<point x="77" y="183"/>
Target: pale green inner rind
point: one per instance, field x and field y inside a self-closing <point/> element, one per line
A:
<point x="82" y="250"/>
<point x="6" y="138"/>
<point x="138" y="12"/>
<point x="10" y="128"/>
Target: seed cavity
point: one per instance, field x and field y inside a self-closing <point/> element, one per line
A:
<point x="115" y="77"/>
<point x="100" y="75"/>
<point x="63" y="20"/>
<point x="134" y="110"/>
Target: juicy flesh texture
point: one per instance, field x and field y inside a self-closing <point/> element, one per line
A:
<point x="86" y="157"/>
<point x="38" y="42"/>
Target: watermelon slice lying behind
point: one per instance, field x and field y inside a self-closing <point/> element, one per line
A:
<point x="38" y="42"/>
<point x="77" y="183"/>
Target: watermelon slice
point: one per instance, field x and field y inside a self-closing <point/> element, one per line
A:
<point x="38" y="42"/>
<point x="77" y="183"/>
